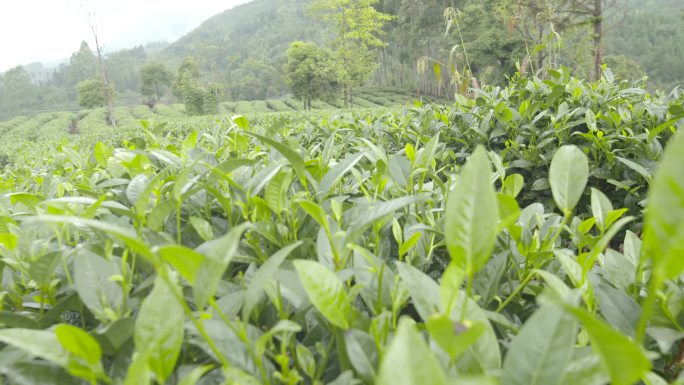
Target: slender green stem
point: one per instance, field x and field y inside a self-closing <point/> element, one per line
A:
<point x="469" y="292"/>
<point x="178" y="223"/>
<point x="198" y="324"/>
<point x="648" y="304"/>
<point x="514" y="294"/>
<point x="257" y="359"/>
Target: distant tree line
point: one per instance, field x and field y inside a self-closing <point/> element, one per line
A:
<point x="246" y="53"/>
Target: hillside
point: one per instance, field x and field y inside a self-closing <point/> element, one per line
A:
<point x="243" y="48"/>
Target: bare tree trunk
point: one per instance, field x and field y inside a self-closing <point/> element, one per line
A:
<point x="598" y="35"/>
<point x="108" y="92"/>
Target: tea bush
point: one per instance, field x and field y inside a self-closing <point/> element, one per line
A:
<point x="531" y="234"/>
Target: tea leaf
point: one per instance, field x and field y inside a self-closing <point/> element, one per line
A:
<point x="568" y="177"/>
<point x="159" y="329"/>
<point x="471" y="215"/>
<point x="262" y="277"/>
<point x="624" y="360"/>
<point x="539" y="354"/>
<point x="326" y="292"/>
<point x="408" y="360"/>
<point x="664" y="221"/>
<point x="218" y="254"/>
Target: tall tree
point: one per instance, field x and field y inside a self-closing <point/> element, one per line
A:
<point x="187" y="76"/>
<point x="82" y="65"/>
<point x="358" y="27"/>
<point x="154" y="78"/>
<point x="197" y="99"/>
<point x="93" y="23"/>
<point x="18" y="93"/>
<point x="310" y="72"/>
<point x="591" y="12"/>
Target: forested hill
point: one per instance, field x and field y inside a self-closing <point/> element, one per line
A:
<point x="243" y="51"/>
<point x="244" y="48"/>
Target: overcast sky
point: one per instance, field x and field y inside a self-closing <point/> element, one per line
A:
<point x="51" y="30"/>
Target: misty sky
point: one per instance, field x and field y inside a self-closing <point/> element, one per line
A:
<point x="51" y="30"/>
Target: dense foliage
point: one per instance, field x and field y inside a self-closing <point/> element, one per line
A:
<point x="497" y="240"/>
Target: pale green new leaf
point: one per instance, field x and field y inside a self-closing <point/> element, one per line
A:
<point x="664" y="221"/>
<point x="326" y="292"/>
<point x="471" y="215"/>
<point x="79" y="343"/>
<point x="568" y="177"/>
<point x="600" y="207"/>
<point x="409" y="361"/>
<point x="186" y="261"/>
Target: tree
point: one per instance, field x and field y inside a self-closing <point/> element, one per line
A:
<point x="212" y="98"/>
<point x="357" y="26"/>
<point x="197" y="100"/>
<point x="18" y="94"/>
<point x="82" y="65"/>
<point x="310" y="72"/>
<point x="154" y="77"/>
<point x="93" y="93"/>
<point x="624" y="67"/>
<point x="187" y="75"/>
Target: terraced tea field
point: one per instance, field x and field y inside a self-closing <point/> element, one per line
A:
<point x="530" y="235"/>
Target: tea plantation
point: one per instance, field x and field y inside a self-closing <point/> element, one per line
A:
<point x="532" y="234"/>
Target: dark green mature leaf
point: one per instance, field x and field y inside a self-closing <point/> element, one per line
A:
<point x="361" y="350"/>
<point x="218" y="254"/>
<point x="42" y="268"/>
<point x="337" y="172"/>
<point x="92" y="276"/>
<point x="568" y="177"/>
<point x="375" y="212"/>
<point x="159" y="329"/>
<point x="263" y="276"/>
<point x="472" y="214"/>
<point x="202" y="227"/>
<point x="623" y="359"/>
<point x="619" y="309"/>
<point x="664" y="221"/>
<point x="291" y="155"/>
<point x="39" y="343"/>
<point x="326" y="292"/>
<point x="129" y="238"/>
<point x="15" y="320"/>
<point x="484" y="356"/>
<point x="539" y="354"/>
<point x="424" y="291"/>
<point x="409" y="361"/>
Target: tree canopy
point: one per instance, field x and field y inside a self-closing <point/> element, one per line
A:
<point x="310" y="72"/>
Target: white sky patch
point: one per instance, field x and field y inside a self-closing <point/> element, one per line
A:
<point x="51" y="30"/>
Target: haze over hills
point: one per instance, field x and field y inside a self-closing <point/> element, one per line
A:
<point x="243" y="51"/>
